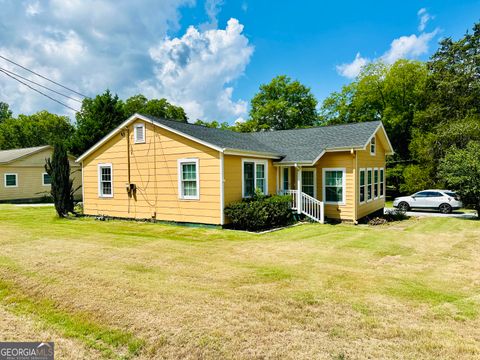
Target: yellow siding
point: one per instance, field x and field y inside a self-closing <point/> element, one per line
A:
<point x="364" y="161"/>
<point x="233" y="177"/>
<point x="154" y="170"/>
<point x="29" y="172"/>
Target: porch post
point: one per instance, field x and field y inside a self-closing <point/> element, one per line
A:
<point x="299" y="189"/>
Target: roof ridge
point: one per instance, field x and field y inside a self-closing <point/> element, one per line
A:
<point x="255" y="132"/>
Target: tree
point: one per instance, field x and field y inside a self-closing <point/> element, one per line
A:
<point x="62" y="186"/>
<point x="461" y="170"/>
<point x="282" y="104"/>
<point x="214" y="124"/>
<point x="5" y="112"/>
<point x="38" y="129"/>
<point x="390" y="93"/>
<point x="98" y="116"/>
<point x="160" y="108"/>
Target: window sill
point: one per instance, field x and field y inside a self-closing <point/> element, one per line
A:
<point x="105" y="196"/>
<point x="334" y="203"/>
<point x="189" y="198"/>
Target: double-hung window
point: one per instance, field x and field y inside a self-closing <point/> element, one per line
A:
<point x="334" y="186"/>
<point x="362" y="185"/>
<point x="46" y="179"/>
<point x="254" y="174"/>
<point x="139" y="133"/>
<point x="373" y="146"/>
<point x="11" y="180"/>
<point x="188" y="179"/>
<point x="105" y="180"/>
<point x="382" y="182"/>
<point x="369" y="184"/>
<point x="375" y="183"/>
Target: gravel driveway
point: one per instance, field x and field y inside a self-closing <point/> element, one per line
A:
<point x="455" y="214"/>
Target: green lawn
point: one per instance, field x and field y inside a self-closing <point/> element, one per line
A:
<point x="122" y="289"/>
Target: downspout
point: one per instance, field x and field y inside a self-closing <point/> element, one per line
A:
<point x="355" y="191"/>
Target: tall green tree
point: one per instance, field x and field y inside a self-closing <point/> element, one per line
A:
<point x="451" y="113"/>
<point x="390" y="93"/>
<point x="37" y="129"/>
<point x="62" y="186"/>
<point x="160" y="108"/>
<point x="97" y="117"/>
<point x="461" y="170"/>
<point x="282" y="104"/>
<point x="5" y="112"/>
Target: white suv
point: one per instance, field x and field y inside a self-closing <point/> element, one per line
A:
<point x="443" y="200"/>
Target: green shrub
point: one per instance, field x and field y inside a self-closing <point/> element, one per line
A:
<point x="260" y="212"/>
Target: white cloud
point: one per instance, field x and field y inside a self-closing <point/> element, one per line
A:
<point x="88" y="45"/>
<point x="32" y="8"/>
<point x="408" y="47"/>
<point x="212" y="8"/>
<point x="197" y="70"/>
<point x="425" y="17"/>
<point x="351" y="70"/>
<point x="404" y="47"/>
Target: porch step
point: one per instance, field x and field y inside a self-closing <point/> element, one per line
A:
<point x="307" y="205"/>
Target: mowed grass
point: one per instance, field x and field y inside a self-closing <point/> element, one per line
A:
<point x="123" y="289"/>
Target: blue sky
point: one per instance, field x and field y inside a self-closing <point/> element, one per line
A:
<point x="211" y="56"/>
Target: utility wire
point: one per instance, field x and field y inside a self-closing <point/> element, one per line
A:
<point x="43" y="77"/>
<point x="48" y="96"/>
<point x="45" y="87"/>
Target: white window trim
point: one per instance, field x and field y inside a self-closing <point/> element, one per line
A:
<point x="5" y="180"/>
<point x="43" y="179"/>
<point x="360" y="185"/>
<point x="374" y="140"/>
<point x="282" y="177"/>
<point x="135" y="132"/>
<point x="99" y="170"/>
<point x="380" y="182"/>
<point x="369" y="185"/>
<point x="344" y="183"/>
<point x="180" y="162"/>
<point x="377" y="184"/>
<point x="255" y="161"/>
<point x="314" y="170"/>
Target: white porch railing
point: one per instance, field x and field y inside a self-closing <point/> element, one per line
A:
<point x="306" y="204"/>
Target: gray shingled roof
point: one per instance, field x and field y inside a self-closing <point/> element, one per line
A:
<point x="305" y="145"/>
<point x="7" y="156"/>
<point x="225" y="139"/>
<point x="299" y="145"/>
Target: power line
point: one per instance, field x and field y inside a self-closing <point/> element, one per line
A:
<point x="45" y="87"/>
<point x="43" y="77"/>
<point x="48" y="96"/>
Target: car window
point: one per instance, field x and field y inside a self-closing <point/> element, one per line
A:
<point x="450" y="193"/>
<point x="421" y="194"/>
<point x="434" y="194"/>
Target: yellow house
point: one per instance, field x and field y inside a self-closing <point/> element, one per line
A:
<point x="149" y="168"/>
<point x="23" y="174"/>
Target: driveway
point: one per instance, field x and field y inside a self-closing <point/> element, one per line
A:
<point x="455" y="214"/>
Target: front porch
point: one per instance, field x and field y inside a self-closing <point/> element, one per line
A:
<point x="301" y="184"/>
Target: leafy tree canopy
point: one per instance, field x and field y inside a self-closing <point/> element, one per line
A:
<point x="97" y="117"/>
<point x="160" y="108"/>
<point x="282" y="104"/>
<point x="5" y="112"/>
<point x="461" y="170"/>
<point x="38" y="129"/>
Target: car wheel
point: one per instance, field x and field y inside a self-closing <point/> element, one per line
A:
<point x="403" y="206"/>
<point x="445" y="209"/>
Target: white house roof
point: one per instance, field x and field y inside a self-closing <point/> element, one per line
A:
<point x="7" y="156"/>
